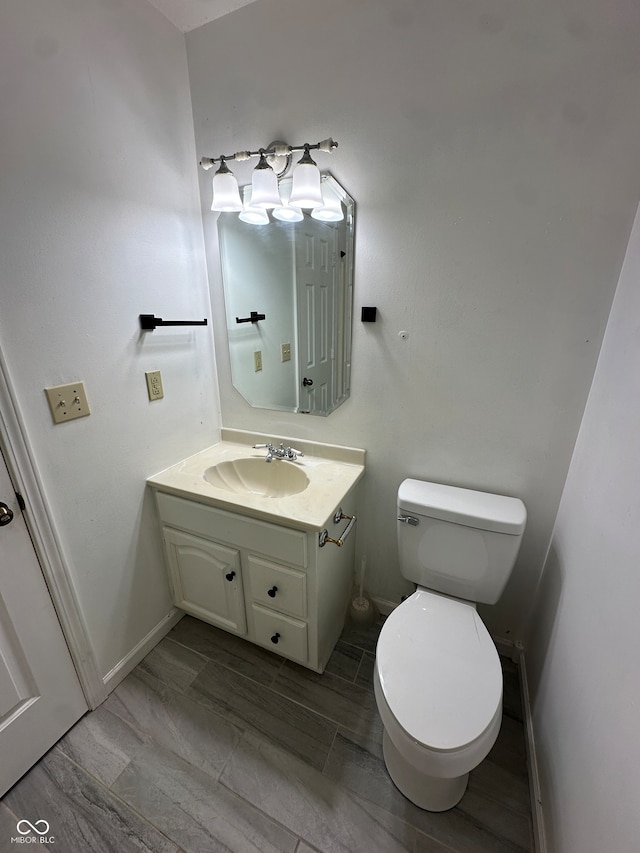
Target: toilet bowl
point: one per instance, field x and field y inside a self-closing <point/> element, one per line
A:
<point x="438" y="687"/>
<point x="437" y="675"/>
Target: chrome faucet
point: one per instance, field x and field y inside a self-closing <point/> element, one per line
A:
<point x="281" y="452"/>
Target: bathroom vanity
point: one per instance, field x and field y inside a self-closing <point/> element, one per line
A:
<point x="264" y="550"/>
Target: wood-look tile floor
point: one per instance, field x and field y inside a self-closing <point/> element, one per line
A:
<point x="215" y="744"/>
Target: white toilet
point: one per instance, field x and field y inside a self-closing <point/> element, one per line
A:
<point x="438" y="679"/>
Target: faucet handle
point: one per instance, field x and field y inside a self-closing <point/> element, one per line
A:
<point x="263" y="446"/>
<point x="292" y="453"/>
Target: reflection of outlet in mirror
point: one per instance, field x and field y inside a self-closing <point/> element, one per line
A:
<point x="285" y="350"/>
<point x="67" y="402"/>
<point x="154" y="385"/>
<point x="257" y="360"/>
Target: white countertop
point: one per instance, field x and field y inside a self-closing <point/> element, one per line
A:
<point x="332" y="471"/>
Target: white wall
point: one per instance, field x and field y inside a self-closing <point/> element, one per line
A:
<point x="99" y="222"/>
<point x="492" y="152"/>
<point x="583" y="660"/>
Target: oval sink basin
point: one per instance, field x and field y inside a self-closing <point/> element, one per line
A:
<point x="277" y="479"/>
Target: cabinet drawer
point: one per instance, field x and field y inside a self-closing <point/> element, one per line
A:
<point x="280" y="543"/>
<point x="277" y="587"/>
<point x="282" y="634"/>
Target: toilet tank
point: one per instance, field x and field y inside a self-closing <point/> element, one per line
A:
<point x="458" y="541"/>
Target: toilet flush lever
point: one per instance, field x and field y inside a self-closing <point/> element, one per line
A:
<point x="409" y="519"/>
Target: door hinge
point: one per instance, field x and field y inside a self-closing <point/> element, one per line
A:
<point x="21" y="502"/>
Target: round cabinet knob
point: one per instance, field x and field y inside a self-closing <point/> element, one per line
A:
<point x="275" y="638"/>
<point x="6" y="515"/>
<point x="272" y="592"/>
<point x="230" y="576"/>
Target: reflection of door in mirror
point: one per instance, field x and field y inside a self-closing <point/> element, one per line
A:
<point x="299" y="275"/>
<point x="316" y="277"/>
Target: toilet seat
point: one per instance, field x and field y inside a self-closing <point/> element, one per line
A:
<point x="439" y="672"/>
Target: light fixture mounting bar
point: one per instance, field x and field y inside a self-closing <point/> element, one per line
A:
<point x="278" y="150"/>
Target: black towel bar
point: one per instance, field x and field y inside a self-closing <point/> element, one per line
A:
<point x="149" y="322"/>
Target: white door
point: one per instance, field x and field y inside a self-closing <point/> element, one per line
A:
<point x="40" y="695"/>
<point x="315" y="294"/>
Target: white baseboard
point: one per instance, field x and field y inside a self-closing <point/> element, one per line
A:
<point x="537" y="816"/>
<point x="133" y="658"/>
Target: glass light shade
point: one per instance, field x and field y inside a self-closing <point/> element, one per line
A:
<point x="254" y="216"/>
<point x="331" y="210"/>
<point x="251" y="214"/>
<point x="226" y="196"/>
<point x="287" y="212"/>
<point x="305" y="191"/>
<point x="264" y="186"/>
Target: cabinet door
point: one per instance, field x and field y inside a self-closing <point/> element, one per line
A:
<point x="206" y="580"/>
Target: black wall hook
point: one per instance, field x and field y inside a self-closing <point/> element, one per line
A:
<point x="149" y="322"/>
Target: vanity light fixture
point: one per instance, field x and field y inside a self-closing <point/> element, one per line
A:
<point x="274" y="163"/>
<point x="264" y="186"/>
<point x="305" y="191"/>
<point x="225" y="189"/>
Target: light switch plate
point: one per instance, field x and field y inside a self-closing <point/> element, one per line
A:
<point x="257" y="360"/>
<point x="154" y="385"/>
<point x="285" y="352"/>
<point x="67" y="402"/>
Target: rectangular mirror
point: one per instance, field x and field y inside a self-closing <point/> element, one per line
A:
<point x="288" y="292"/>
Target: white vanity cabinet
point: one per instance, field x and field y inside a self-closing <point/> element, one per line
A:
<point x="270" y="583"/>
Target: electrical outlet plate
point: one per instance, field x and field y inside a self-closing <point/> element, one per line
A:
<point x="154" y="385"/>
<point x="285" y="352"/>
<point x="67" y="402"/>
<point x="257" y="360"/>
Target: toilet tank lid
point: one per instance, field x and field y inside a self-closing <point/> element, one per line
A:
<point x="497" y="513"/>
